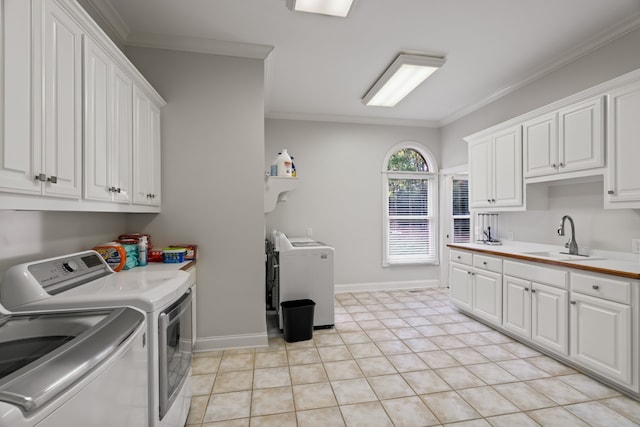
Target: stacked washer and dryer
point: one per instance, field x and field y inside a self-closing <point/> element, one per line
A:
<point x="301" y="268"/>
<point x="145" y="382"/>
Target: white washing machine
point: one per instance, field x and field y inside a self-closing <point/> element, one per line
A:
<point x="305" y="271"/>
<point x="83" y="280"/>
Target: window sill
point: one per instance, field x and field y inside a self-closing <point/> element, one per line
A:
<point x="386" y="264"/>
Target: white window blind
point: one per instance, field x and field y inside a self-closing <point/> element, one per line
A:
<point x="460" y="211"/>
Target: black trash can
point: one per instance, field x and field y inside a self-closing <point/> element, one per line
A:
<point x="297" y="319"/>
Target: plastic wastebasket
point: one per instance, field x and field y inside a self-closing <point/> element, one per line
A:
<point x="297" y="319"/>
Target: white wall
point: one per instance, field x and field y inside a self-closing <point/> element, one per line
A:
<point x="597" y="228"/>
<point x="212" y="184"/>
<point x="28" y="236"/>
<point x="340" y="193"/>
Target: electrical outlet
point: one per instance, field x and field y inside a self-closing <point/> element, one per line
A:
<point x="635" y="246"/>
<point x="309" y="232"/>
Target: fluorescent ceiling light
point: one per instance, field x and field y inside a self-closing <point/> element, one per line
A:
<point x="402" y="76"/>
<point x="324" y="7"/>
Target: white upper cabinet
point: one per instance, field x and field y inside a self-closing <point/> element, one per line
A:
<point x="146" y="150"/>
<point x="495" y="170"/>
<point x="567" y="140"/>
<point x="623" y="135"/>
<point x="108" y="127"/>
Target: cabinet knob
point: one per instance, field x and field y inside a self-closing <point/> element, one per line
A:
<point x="484" y="262"/>
<point x="596" y="287"/>
<point x="493" y="200"/>
<point x="459" y="257"/>
<point x="553" y="165"/>
<point x="469" y="273"/>
<point x="573" y="302"/>
<point x="489" y="200"/>
<point x="526" y="289"/>
<point x="41" y="177"/>
<point x="610" y="192"/>
<point x="53" y="179"/>
<point x="561" y="164"/>
<point x="533" y="291"/>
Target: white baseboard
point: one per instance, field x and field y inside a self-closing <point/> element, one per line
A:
<point x="231" y="341"/>
<point x="386" y="286"/>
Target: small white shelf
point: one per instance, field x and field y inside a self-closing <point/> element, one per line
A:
<point x="276" y="189"/>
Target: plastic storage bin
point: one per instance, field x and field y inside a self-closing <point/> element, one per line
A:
<point x="297" y="319"/>
<point x="173" y="255"/>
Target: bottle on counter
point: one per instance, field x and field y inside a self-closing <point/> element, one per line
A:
<point x="293" y="168"/>
<point x="274" y="167"/>
<point x="143" y="254"/>
<point x="284" y="163"/>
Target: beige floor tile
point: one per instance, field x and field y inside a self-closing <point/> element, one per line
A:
<point x="495" y="352"/>
<point x="352" y="326"/>
<point x="374" y="366"/>
<point x="379" y="335"/>
<point x="320" y="418"/>
<point x="365" y="414"/>
<point x="271" y="377"/>
<point x="459" y="377"/>
<point x="339" y="318"/>
<point x="487" y="401"/>
<point x="313" y="396"/>
<point x="558" y="391"/>
<point x="523" y="396"/>
<point x="455" y="329"/>
<point x="623" y="405"/>
<point x="300" y="344"/>
<point x="520" y="350"/>
<point x="362" y="317"/>
<point x="512" y="420"/>
<point x="550" y="366"/>
<point x="409" y="412"/>
<point x="473" y="339"/>
<point x="354" y="337"/>
<point x="405" y="312"/>
<point x="303" y="356"/>
<point x="438" y="359"/>
<point x="431" y="330"/>
<point x="522" y="369"/>
<point x="394" y="323"/>
<point x="447" y="342"/>
<point x="236" y="362"/>
<point x="272" y="401"/>
<point x="597" y="414"/>
<point x="417" y="321"/>
<point x="425" y="382"/>
<point x="275" y="343"/>
<point x="271" y="359"/>
<point x="475" y="326"/>
<point x="364" y="350"/>
<point x="406" y="333"/>
<point x="421" y="344"/>
<point x="407" y="362"/>
<point x="205" y="365"/>
<point x="202" y="384"/>
<point x="556" y="417"/>
<point x="277" y="420"/>
<point x="449" y="407"/>
<point x="439" y="319"/>
<point x="305" y="374"/>
<point x="491" y="373"/>
<point x="371" y="324"/>
<point x="240" y="350"/>
<point x="467" y="356"/>
<point x="479" y="422"/>
<point x="233" y="381"/>
<point x="323" y="340"/>
<point x="393" y="347"/>
<point x="242" y="422"/>
<point x="390" y="386"/>
<point x="496" y="337"/>
<point x="228" y="406"/>
<point x="212" y="353"/>
<point x="588" y="386"/>
<point x="355" y="308"/>
<point x="343" y="370"/>
<point x="353" y="391"/>
<point x="427" y="311"/>
<point x="197" y="409"/>
<point x="334" y="353"/>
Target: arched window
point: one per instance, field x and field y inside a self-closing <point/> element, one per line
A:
<point x="410" y="195"/>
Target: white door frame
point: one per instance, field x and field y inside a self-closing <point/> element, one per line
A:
<point x="446" y="222"/>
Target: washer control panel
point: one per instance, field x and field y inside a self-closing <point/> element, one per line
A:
<point x="59" y="274"/>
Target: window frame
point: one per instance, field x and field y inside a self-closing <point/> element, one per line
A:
<point x="432" y="197"/>
<point x="459" y="177"/>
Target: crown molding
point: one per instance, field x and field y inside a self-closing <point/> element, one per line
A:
<point x="593" y="43"/>
<point x="199" y="45"/>
<point x="113" y="20"/>
<point x="352" y="119"/>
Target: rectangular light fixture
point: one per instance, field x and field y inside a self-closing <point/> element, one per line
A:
<point x="402" y="76"/>
<point x="324" y="7"/>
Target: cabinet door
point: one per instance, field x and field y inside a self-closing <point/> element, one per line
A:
<point x="623" y="129"/>
<point x="507" y="166"/>
<point x="487" y="295"/>
<point x="155" y="155"/>
<point x="540" y="146"/>
<point x="601" y="336"/>
<point x="97" y="129"/>
<point x="122" y="131"/>
<point x="517" y="306"/>
<point x="549" y="317"/>
<point x="481" y="173"/>
<point x="460" y="284"/>
<point x="141" y="148"/>
<point x="581" y="139"/>
<point x="18" y="157"/>
<point x="62" y="43"/>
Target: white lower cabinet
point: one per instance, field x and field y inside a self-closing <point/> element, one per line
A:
<point x="460" y="284"/>
<point x="487" y="295"/>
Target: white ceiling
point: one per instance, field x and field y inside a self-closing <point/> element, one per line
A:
<point x="319" y="67"/>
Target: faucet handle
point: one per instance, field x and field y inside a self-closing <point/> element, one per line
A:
<point x="566" y="245"/>
<point x="560" y="231"/>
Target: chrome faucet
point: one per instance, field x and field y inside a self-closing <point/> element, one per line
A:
<point x="571" y="244"/>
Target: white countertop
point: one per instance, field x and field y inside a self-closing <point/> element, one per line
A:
<point x="158" y="266"/>
<point x="607" y="262"/>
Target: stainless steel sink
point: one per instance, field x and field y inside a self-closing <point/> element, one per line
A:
<point x="560" y="256"/>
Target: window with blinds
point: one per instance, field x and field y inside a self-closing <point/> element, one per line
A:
<point x="460" y="211"/>
<point x="409" y="226"/>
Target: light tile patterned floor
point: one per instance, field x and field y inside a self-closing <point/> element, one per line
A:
<point x="399" y="358"/>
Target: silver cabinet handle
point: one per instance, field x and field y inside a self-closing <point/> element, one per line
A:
<point x="526" y="289"/>
<point x="41" y="177"/>
<point x="53" y="179"/>
<point x="493" y="200"/>
<point x="595" y="287"/>
<point x="610" y="192"/>
<point x="573" y="302"/>
<point x="533" y="291"/>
